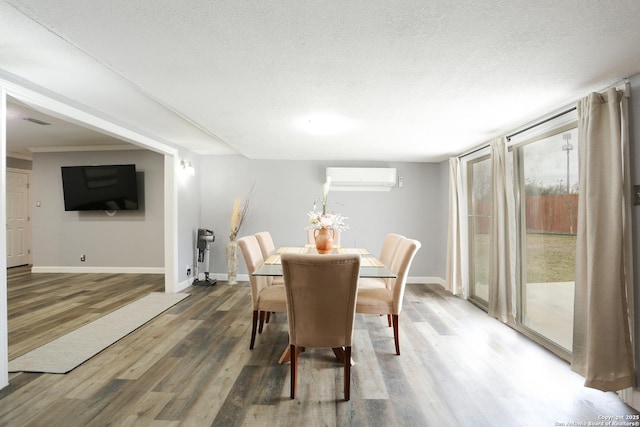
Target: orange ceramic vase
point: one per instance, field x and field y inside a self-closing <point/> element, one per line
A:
<point x="324" y="240"/>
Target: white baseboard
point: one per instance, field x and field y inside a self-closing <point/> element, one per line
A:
<point x="427" y="280"/>
<point x="419" y="280"/>
<point x="186" y="283"/>
<point x="112" y="270"/>
<point x="183" y="285"/>
<point x="225" y="277"/>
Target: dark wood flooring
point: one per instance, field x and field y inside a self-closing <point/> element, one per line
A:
<point x="192" y="365"/>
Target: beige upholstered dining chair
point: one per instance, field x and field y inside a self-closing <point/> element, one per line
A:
<point x="389" y="300"/>
<point x="266" y="243"/>
<point x="268" y="248"/>
<point x="312" y="240"/>
<point x="387" y="253"/>
<point x="321" y="293"/>
<point x="389" y="247"/>
<point x="265" y="298"/>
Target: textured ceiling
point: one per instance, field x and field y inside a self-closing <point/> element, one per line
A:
<point x="414" y="80"/>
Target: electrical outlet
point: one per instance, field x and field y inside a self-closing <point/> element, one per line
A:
<point x="83" y="258"/>
<point x="188" y="271"/>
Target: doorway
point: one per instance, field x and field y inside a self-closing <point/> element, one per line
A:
<point x="49" y="105"/>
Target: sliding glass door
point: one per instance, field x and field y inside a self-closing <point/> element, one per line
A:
<point x="544" y="171"/>
<point x="479" y="176"/>
<point x="547" y="178"/>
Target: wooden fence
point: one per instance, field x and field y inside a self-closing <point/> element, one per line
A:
<point x="553" y="214"/>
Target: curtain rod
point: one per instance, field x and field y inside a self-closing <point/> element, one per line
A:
<point x="482" y="147"/>
<point x="541" y="122"/>
<point x="624" y="81"/>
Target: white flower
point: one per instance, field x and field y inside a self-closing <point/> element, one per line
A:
<point x="335" y="221"/>
<point x="326" y="187"/>
<point x="324" y="219"/>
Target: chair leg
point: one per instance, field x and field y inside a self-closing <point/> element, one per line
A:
<point x="262" y="314"/>
<point x="396" y="336"/>
<point x="294" y="370"/>
<point x="347" y="373"/>
<point x="268" y="317"/>
<point x="253" y="329"/>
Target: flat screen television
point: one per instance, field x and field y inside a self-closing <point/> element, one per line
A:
<point x="97" y="188"/>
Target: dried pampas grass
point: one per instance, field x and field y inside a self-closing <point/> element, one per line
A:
<point x="239" y="213"/>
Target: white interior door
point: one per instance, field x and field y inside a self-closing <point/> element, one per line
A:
<point x="18" y="225"/>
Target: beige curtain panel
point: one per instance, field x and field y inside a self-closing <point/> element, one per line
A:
<point x="454" y="243"/>
<point x="602" y="346"/>
<point x="501" y="263"/>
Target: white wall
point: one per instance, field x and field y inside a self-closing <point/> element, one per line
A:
<point x="188" y="214"/>
<point x="285" y="191"/>
<point x="130" y="240"/>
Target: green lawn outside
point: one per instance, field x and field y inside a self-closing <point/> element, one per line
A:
<point x="549" y="258"/>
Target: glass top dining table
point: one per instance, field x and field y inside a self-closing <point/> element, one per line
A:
<point x="370" y="266"/>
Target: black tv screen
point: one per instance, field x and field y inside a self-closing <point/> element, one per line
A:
<point x="105" y="187"/>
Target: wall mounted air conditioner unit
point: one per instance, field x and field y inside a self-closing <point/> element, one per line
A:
<point x="362" y="179"/>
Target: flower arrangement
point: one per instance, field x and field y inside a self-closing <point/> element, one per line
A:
<point x="319" y="220"/>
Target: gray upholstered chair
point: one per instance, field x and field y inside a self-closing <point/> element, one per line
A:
<point x="321" y="293"/>
<point x="389" y="300"/>
<point x="387" y="253"/>
<point x="265" y="298"/>
<point x="312" y="240"/>
<point x="268" y="248"/>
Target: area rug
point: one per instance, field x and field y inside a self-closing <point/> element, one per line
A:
<point x="69" y="351"/>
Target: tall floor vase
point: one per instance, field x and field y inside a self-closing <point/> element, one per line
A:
<point x="232" y="262"/>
